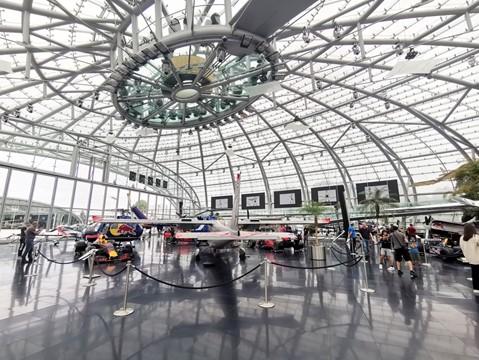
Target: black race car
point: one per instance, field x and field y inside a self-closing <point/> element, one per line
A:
<point x="445" y="251"/>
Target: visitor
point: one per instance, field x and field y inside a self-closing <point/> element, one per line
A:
<point x="386" y="250"/>
<point x="30" y="234"/>
<point x="413" y="247"/>
<point x="400" y="246"/>
<point x="470" y="247"/>
<point x="352" y="238"/>
<point x="22" y="239"/>
<point x="365" y="235"/>
<point x="411" y="231"/>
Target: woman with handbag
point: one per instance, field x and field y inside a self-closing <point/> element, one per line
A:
<point x="399" y="243"/>
<point x="470" y="247"/>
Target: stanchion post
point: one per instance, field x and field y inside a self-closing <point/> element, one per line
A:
<point x="266" y="304"/>
<point x="125" y="311"/>
<point x="91" y="276"/>
<point x="51" y="251"/>
<point x="425" y="263"/>
<point x="366" y="289"/>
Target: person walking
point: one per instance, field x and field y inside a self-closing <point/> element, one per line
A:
<point x="386" y="250"/>
<point x="352" y="238"/>
<point x="22" y="238"/>
<point x="365" y="235"/>
<point x="399" y="244"/>
<point x="414" y="251"/>
<point x="30" y="234"/>
<point x="469" y="243"/>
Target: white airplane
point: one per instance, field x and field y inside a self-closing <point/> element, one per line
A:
<point x="220" y="235"/>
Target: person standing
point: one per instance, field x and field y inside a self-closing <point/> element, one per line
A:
<point x="22" y="238"/>
<point x="365" y="235"/>
<point x="470" y="247"/>
<point x="386" y="250"/>
<point x="414" y="251"/>
<point x="352" y="238"/>
<point x="30" y="234"/>
<point x="411" y="231"/>
<point x="399" y="244"/>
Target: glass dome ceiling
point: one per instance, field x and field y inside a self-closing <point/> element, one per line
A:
<point x="345" y="91"/>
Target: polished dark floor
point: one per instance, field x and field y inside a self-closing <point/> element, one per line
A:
<point x="318" y="314"/>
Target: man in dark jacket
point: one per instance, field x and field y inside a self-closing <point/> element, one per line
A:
<point x="30" y="234"/>
<point x="22" y="238"/>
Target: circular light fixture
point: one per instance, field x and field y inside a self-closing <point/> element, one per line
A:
<point x="194" y="80"/>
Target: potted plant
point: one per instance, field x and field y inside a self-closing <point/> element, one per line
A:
<point x="315" y="208"/>
<point x="376" y="203"/>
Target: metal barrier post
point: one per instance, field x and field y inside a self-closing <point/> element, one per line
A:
<point x="266" y="304"/>
<point x="91" y="276"/>
<point x="425" y="263"/>
<point x="366" y="289"/>
<point x="125" y="311"/>
<point x="51" y="251"/>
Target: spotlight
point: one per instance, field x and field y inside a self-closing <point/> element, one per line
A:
<point x="342" y="150"/>
<point x="399" y="49"/>
<point x="471" y="60"/>
<point x="387" y="105"/>
<point x="368" y="138"/>
<point x="351" y="104"/>
<point x="263" y="78"/>
<point x="165" y="68"/>
<point x="220" y="54"/>
<point x="356" y="49"/>
<point x="80" y="103"/>
<point x="16" y="113"/>
<point x="30" y="108"/>
<point x="97" y="95"/>
<point x="319" y="85"/>
<point x="5" y="117"/>
<point x="337" y="31"/>
<point x="190" y="132"/>
<point x="215" y="19"/>
<point x="411" y="54"/>
<point x="175" y="25"/>
<point x="355" y="95"/>
<point x="306" y="37"/>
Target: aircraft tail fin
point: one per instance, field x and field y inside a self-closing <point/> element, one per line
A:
<point x="236" y="201"/>
<point x="138" y="213"/>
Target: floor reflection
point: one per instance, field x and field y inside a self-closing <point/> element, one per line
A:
<point x="318" y="313"/>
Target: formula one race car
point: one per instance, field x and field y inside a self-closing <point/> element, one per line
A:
<point x="446" y="251"/>
<point x="107" y="251"/>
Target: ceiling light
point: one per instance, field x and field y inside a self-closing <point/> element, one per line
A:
<point x="30" y="108"/>
<point x="16" y="113"/>
<point x="306" y="37"/>
<point x="175" y="25"/>
<point x="351" y="104"/>
<point x="356" y="49"/>
<point x="246" y="41"/>
<point x="5" y="117"/>
<point x="471" y="60"/>
<point x="165" y="68"/>
<point x="319" y="85"/>
<point x="97" y="95"/>
<point x="229" y="151"/>
<point x="399" y="49"/>
<point x="355" y="95"/>
<point x="110" y="138"/>
<point x="411" y="54"/>
<point x="337" y="31"/>
<point x="215" y="19"/>
<point x="190" y="132"/>
<point x="220" y="54"/>
<point x="368" y="138"/>
<point x="387" y="105"/>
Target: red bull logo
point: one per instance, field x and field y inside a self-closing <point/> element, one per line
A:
<point x="125" y="229"/>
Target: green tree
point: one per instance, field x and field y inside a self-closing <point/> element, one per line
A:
<point x="467" y="185"/>
<point x="142" y="205"/>
<point x="314" y="208"/>
<point x="376" y="203"/>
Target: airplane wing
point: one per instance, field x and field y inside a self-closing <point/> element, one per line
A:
<point x="424" y="209"/>
<point x="282" y="222"/>
<point x="207" y="236"/>
<point x="265" y="235"/>
<point x="157" y="221"/>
